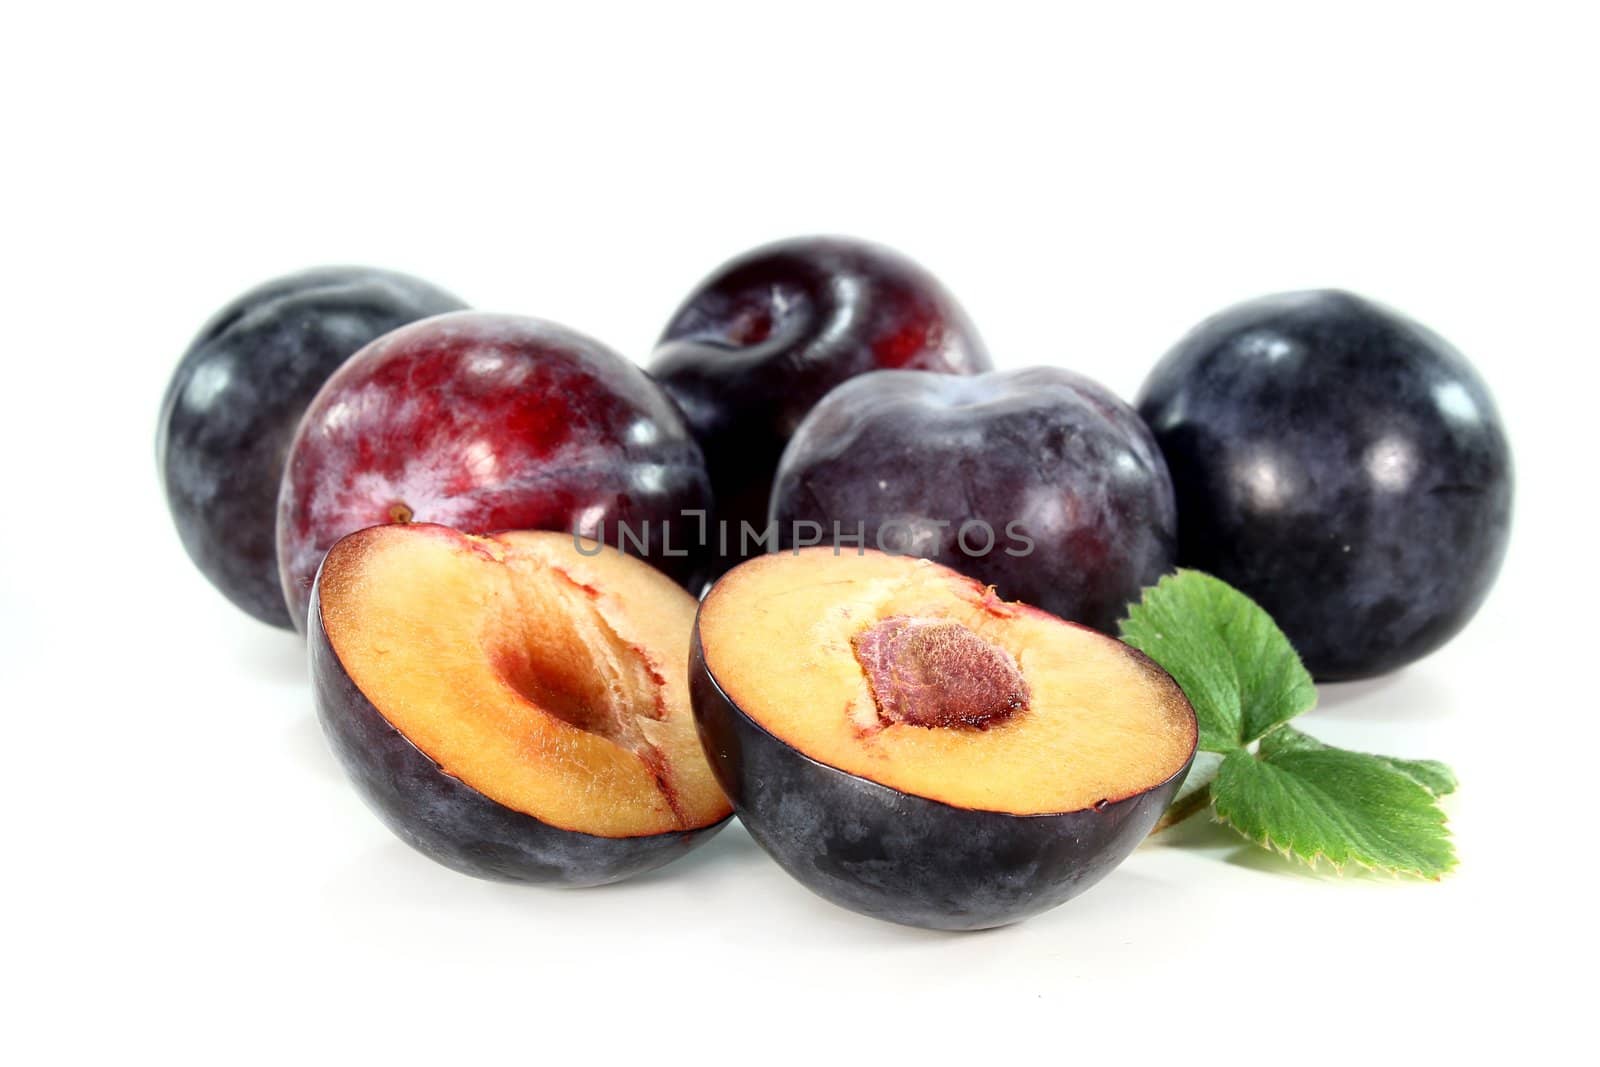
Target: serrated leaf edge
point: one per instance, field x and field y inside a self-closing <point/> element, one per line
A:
<point x="1320" y="858"/>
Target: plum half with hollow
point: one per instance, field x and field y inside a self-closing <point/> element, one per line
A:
<point x="909" y="746"/>
<point x="513" y="706"/>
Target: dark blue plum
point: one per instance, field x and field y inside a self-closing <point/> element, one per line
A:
<point x="769" y="333"/>
<point x="1039" y="482"/>
<point x="1341" y="464"/>
<point x="236" y="398"/>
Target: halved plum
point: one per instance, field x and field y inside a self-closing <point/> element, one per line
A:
<point x="911" y="747"/>
<point x="513" y="706"/>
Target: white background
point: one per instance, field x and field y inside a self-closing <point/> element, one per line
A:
<point x="191" y="880"/>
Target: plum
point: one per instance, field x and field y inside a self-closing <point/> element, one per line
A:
<point x="1341" y="464"/>
<point x="488" y="422"/>
<point x="909" y="746"/>
<point x="236" y="397"/>
<point x="509" y="706"/>
<point x="769" y="333"/>
<point x="1039" y="482"/>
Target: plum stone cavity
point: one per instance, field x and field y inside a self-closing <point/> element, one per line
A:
<point x="937" y="673"/>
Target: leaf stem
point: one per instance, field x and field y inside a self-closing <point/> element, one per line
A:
<point x="1192" y="804"/>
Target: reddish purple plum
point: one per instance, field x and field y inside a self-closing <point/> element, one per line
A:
<point x="769" y="333"/>
<point x="486" y="422"/>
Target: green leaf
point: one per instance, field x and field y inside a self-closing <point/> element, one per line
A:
<point x="1319" y="803"/>
<point x="1432" y="775"/>
<point x="1229" y="657"/>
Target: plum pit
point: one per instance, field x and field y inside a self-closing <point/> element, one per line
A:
<point x="938" y="674"/>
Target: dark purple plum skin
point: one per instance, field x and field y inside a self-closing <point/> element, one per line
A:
<point x="449" y="821"/>
<point x="1052" y="455"/>
<point x="769" y="333"/>
<point x="903" y="858"/>
<point x="236" y="397"/>
<point x="1341" y="464"/>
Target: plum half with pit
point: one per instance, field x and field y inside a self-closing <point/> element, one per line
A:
<point x="488" y="422"/>
<point x="1039" y="482"/>
<point x="1343" y="465"/>
<point x="514" y="707"/>
<point x="236" y="398"/>
<point x="769" y="333"/>
<point x="911" y="747"/>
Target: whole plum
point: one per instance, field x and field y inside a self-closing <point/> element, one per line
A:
<point x="769" y="333"/>
<point x="485" y="422"/>
<point x="1341" y="464"/>
<point x="236" y="397"/>
<point x="1039" y="482"/>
